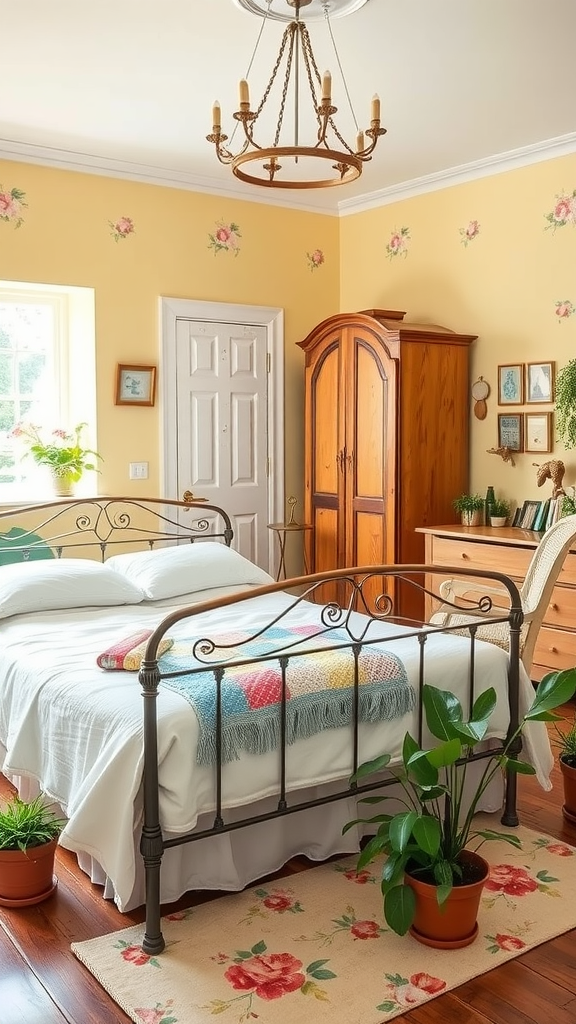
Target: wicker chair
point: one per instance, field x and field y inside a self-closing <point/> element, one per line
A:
<point x="535" y="593"/>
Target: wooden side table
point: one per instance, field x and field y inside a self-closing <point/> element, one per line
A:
<point x="282" y="530"/>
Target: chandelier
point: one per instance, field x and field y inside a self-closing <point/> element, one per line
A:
<point x="294" y="74"/>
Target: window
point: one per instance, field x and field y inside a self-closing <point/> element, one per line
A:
<point x="47" y="374"/>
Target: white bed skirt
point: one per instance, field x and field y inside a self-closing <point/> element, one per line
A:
<point x="230" y="861"/>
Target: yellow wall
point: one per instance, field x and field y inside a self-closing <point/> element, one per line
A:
<point x="503" y="286"/>
<point x="65" y="239"/>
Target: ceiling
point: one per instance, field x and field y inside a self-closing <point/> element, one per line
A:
<point x="126" y="87"/>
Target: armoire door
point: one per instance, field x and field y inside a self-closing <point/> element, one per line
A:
<point x="325" y="465"/>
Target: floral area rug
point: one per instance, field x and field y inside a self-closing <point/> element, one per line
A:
<point x="314" y="946"/>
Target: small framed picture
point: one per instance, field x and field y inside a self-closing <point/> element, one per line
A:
<point x="510" y="433"/>
<point x="539" y="383"/>
<point x="135" y="385"/>
<point x="511" y="384"/>
<point x="538" y="431"/>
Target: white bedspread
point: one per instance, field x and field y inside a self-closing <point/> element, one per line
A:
<point x="78" y="729"/>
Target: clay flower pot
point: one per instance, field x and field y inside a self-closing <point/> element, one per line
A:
<point x="27" y="877"/>
<point x="453" y="925"/>
<point x="569" y="778"/>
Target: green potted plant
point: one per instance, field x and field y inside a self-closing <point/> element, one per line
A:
<point x="471" y="509"/>
<point x="499" y="512"/>
<point x="565" y="402"/>
<point x="62" y="452"/>
<point x="431" y="881"/>
<point x="566" y="745"/>
<point x="29" y="833"/>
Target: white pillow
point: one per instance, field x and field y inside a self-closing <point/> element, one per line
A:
<point x="187" y="568"/>
<point x="62" y="583"/>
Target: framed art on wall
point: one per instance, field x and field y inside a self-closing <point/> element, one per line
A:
<point x="510" y="433"/>
<point x="135" y="384"/>
<point x="539" y="382"/>
<point x="511" y="384"/>
<point x="538" y="431"/>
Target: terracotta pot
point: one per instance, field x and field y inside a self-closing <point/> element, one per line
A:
<point x="27" y="878"/>
<point x="454" y="924"/>
<point x="475" y="518"/>
<point x="569" y="777"/>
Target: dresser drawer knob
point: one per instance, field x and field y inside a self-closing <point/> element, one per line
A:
<point x="464" y="555"/>
<point x="554" y="650"/>
<point x="554" y="606"/>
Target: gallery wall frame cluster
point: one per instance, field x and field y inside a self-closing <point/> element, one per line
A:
<point x="526" y="384"/>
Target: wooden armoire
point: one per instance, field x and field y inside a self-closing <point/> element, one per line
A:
<point x="386" y="436"/>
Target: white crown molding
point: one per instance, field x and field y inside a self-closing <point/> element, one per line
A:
<point x="85" y="163"/>
<point x="564" y="145"/>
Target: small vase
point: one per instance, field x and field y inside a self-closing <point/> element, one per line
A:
<point x="63" y="485"/>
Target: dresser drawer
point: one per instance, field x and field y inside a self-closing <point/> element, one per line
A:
<point x="513" y="561"/>
<point x="561" y="611"/>
<point x="568" y="572"/>
<point x="555" y="648"/>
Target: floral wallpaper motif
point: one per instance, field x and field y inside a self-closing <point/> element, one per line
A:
<point x="564" y="309"/>
<point x="469" y="233"/>
<point x="315" y="259"/>
<point x="121" y="228"/>
<point x="564" y="211"/>
<point x="398" y="244"/>
<point x="12" y="202"/>
<point x="225" y="238"/>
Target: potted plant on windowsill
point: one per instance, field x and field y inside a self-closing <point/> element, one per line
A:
<point x="471" y="509"/>
<point x="499" y="512"/>
<point x="565" y="742"/>
<point x="29" y="833"/>
<point x="431" y="881"/>
<point x="62" y="452"/>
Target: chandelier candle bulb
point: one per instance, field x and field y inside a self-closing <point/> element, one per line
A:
<point x="244" y="94"/>
<point x="360" y="142"/>
<point x="216" y="116"/>
<point x="326" y="87"/>
<point x="375" y="107"/>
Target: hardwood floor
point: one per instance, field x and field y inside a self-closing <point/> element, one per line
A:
<point x="41" y="982"/>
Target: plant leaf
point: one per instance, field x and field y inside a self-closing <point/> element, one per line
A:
<point x="554" y="689"/>
<point x="519" y="767"/>
<point x="401" y="830"/>
<point x="370" y="767"/>
<point x="442" y="710"/>
<point x="399" y="908"/>
<point x="445" y="753"/>
<point x="427" y="834"/>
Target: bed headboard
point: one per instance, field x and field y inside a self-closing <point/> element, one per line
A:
<point x="99" y="527"/>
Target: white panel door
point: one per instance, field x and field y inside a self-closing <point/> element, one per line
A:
<point x="221" y="395"/>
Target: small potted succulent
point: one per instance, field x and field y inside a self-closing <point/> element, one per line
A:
<point x="471" y="509"/>
<point x="29" y="833"/>
<point x="499" y="512"/>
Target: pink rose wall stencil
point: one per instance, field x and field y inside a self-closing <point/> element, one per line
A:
<point x="121" y="228"/>
<point x="225" y="238"/>
<point x="398" y="244"/>
<point x="469" y="233"/>
<point x="315" y="259"/>
<point x="12" y="202"/>
<point x="564" y="211"/>
<point x="564" y="310"/>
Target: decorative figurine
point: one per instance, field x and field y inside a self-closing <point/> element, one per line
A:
<point x="552" y="470"/>
<point x="504" y="452"/>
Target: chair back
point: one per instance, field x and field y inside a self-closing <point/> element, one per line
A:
<point x="546" y="564"/>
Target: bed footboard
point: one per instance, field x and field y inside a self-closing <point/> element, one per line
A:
<point x="358" y="634"/>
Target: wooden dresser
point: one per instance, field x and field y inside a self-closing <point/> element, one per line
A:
<point x="509" y="550"/>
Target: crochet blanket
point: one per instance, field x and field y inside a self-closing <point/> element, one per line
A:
<point x="320" y="688"/>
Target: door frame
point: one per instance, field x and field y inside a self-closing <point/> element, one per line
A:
<point x="272" y="318"/>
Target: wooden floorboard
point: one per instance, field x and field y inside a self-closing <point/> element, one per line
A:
<point x="42" y="982"/>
